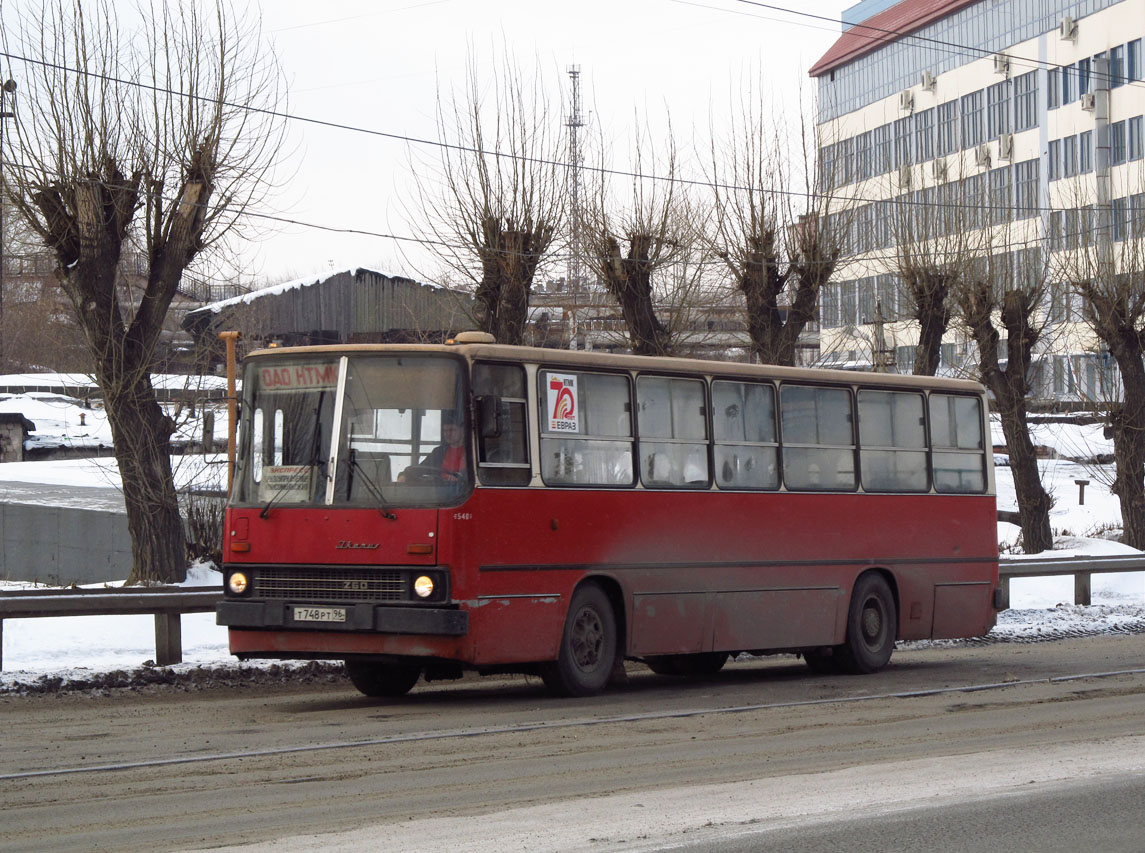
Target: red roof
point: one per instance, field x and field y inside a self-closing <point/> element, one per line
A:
<point x="884" y="28"/>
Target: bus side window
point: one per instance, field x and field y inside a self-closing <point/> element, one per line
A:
<point x="892" y="438"/>
<point x="818" y="438"/>
<point x="586" y="429"/>
<point x="958" y="450"/>
<point x="502" y="425"/>
<point x="743" y="420"/>
<point x="673" y="428"/>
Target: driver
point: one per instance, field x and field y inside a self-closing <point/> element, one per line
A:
<point x="447" y="460"/>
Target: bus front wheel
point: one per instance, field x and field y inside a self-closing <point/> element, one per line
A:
<point x="382" y="679"/>
<point x="588" y="646"/>
<point x="872" y="623"/>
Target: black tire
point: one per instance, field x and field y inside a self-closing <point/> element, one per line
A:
<point x="872" y="624"/>
<point x="382" y="679"/>
<point x="588" y="646"/>
<point x="824" y="663"/>
<point x="691" y="666"/>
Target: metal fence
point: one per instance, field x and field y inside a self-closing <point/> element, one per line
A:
<point x="1082" y="568"/>
<point x="168" y="604"/>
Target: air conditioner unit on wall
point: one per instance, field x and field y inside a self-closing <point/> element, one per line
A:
<point x="928" y="81"/>
<point x="981" y="155"/>
<point x="1001" y="63"/>
<point x="938" y="169"/>
<point x="1067" y="29"/>
<point x="1088" y="101"/>
<point x="906" y="101"/>
<point x="1006" y="146"/>
<point x="905" y="177"/>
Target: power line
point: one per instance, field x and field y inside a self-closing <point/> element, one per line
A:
<point x="950" y="46"/>
<point x="542" y="161"/>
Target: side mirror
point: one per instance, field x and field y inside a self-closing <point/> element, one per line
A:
<point x="490" y="419"/>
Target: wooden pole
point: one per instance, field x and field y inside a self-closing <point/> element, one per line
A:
<point x="232" y="405"/>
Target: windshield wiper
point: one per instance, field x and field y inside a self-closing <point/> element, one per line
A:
<point x="372" y="488"/>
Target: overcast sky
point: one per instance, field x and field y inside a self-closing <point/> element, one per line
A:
<point x="377" y="64"/>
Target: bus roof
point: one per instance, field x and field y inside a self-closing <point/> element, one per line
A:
<point x="598" y="360"/>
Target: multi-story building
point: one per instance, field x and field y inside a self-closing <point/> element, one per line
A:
<point x="1020" y="120"/>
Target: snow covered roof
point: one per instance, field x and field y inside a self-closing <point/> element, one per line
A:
<point x="283" y="287"/>
<point x="77" y="383"/>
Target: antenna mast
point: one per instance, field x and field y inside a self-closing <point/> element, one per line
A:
<point x="574" y="123"/>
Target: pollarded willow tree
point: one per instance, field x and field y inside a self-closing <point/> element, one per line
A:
<point x="642" y="235"/>
<point x="1103" y="262"/>
<point x="935" y="235"/>
<point x="156" y="131"/>
<point x="970" y="259"/>
<point x="491" y="207"/>
<point x="777" y="225"/>
<point x="1000" y="296"/>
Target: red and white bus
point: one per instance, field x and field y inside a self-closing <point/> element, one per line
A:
<point x="422" y="510"/>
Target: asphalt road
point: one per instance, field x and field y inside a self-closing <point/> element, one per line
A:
<point x="1048" y="746"/>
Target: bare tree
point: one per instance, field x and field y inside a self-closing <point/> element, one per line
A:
<point x="772" y="226"/>
<point x="1003" y="291"/>
<point x="645" y="244"/>
<point x="492" y="208"/>
<point x="1103" y="261"/>
<point x="159" y="133"/>
<point x="936" y="233"/>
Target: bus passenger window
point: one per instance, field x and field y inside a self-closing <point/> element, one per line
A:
<point x="892" y="438"/>
<point x="958" y="449"/>
<point x="673" y="429"/>
<point x="743" y="422"/>
<point x="502" y="432"/>
<point x="818" y="438"/>
<point x="586" y="429"/>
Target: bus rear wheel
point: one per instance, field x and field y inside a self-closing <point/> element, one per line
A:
<point x="382" y="679"/>
<point x="588" y="646"/>
<point x="872" y="623"/>
<point x="692" y="666"/>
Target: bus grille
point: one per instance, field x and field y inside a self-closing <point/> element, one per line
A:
<point x="321" y="584"/>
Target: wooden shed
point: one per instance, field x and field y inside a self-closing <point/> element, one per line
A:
<point x="351" y="306"/>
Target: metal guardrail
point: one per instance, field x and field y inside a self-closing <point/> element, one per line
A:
<point x="1082" y="568"/>
<point x="168" y="604"/>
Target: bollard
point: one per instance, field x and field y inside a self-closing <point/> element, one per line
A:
<point x="1081" y="484"/>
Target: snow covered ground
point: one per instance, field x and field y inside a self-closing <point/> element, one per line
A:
<point x="64" y="422"/>
<point x="73" y="647"/>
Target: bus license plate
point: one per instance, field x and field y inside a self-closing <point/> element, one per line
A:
<point x="319" y="614"/>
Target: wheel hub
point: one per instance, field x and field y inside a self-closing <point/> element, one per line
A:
<point x="587" y="639"/>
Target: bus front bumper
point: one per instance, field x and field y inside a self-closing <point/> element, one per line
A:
<point x="359" y="617"/>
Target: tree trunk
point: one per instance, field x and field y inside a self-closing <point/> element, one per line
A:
<point x="509" y="259"/>
<point x="141" y="431"/>
<point x="762" y="282"/>
<point x="629" y="280"/>
<point x="1033" y="502"/>
<point x="1128" y="421"/>
<point x="1011" y="390"/>
<point x="1114" y="310"/>
<point x="929" y="289"/>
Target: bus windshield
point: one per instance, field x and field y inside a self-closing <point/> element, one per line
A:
<point x="363" y="430"/>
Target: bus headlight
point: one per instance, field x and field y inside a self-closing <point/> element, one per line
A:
<point x="423" y="586"/>
<point x="237" y="583"/>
